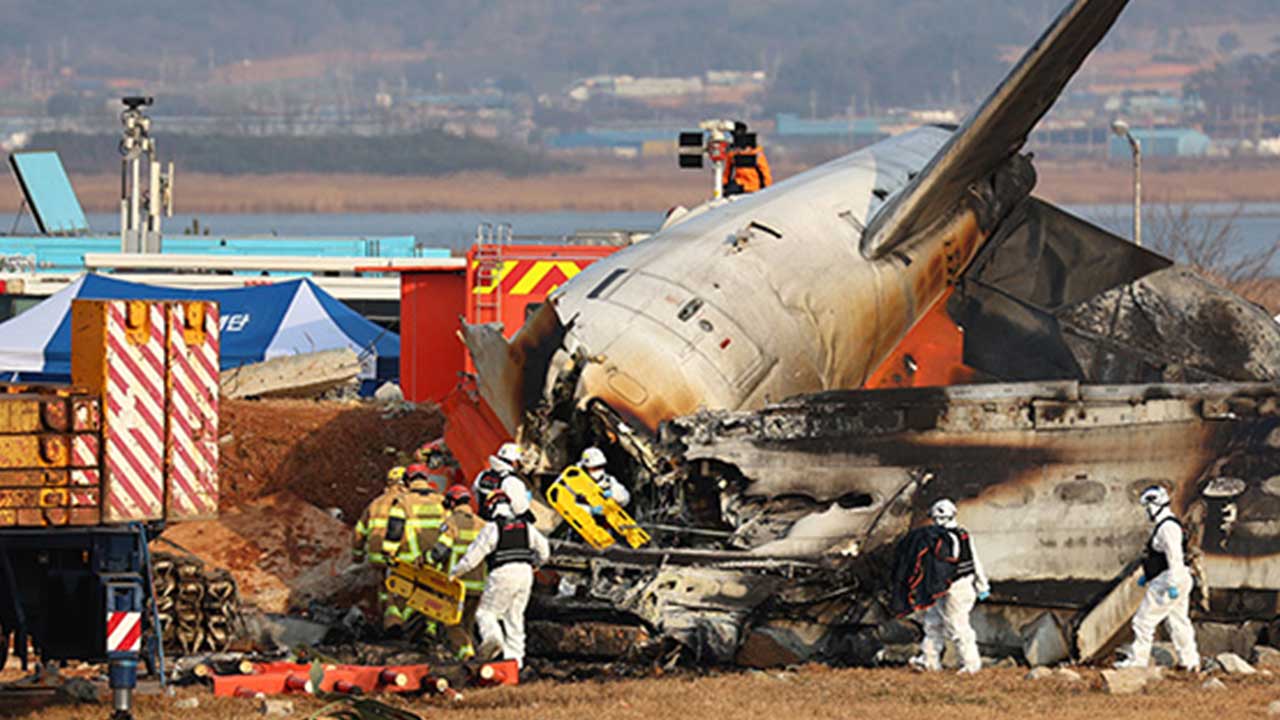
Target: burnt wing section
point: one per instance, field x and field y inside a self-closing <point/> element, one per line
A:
<point x="1054" y="297"/>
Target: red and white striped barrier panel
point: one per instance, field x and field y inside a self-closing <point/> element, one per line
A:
<point x="134" y="427"/>
<point x="124" y="631"/>
<point x="192" y="441"/>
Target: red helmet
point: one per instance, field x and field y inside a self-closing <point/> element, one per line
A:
<point x="458" y="495"/>
<point x="496" y="498"/>
<point x="414" y="470"/>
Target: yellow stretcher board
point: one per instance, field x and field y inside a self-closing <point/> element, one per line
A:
<point x="565" y="501"/>
<point x="582" y="489"/>
<point x="428" y="591"/>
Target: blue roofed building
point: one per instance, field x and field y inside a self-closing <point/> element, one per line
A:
<point x="1163" y="142"/>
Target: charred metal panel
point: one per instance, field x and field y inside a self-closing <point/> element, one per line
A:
<point x="1046" y="476"/>
<point x="1178" y="322"/>
<point x="1054" y="297"/>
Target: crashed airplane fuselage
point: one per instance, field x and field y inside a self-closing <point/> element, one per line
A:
<point x="721" y="361"/>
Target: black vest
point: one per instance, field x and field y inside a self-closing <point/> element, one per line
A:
<point x="490" y="481"/>
<point x="1154" y="563"/>
<point x="964" y="562"/>
<point x="513" y="545"/>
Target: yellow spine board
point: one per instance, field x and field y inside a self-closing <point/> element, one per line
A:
<point x="428" y="591"/>
<point x="561" y="496"/>
<point x="581" y="484"/>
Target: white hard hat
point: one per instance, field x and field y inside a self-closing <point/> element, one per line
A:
<point x="510" y="453"/>
<point x="942" y="510"/>
<point x="593" y="457"/>
<point x="1154" y="496"/>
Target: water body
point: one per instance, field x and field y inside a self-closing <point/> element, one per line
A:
<point x="1256" y="226"/>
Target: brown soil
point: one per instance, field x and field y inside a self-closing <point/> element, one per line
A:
<point x="331" y="454"/>
<point x="812" y="692"/>
<point x="282" y="551"/>
<point x="1228" y="181"/>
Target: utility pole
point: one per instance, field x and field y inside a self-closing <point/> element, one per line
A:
<point x="1121" y="129"/>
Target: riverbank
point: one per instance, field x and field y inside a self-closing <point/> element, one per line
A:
<point x="613" y="186"/>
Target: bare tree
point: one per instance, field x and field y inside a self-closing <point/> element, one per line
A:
<point x="1211" y="243"/>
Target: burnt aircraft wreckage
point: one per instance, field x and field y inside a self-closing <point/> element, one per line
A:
<point x="792" y="377"/>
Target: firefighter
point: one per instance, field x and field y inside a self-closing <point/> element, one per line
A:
<point x="1168" y="583"/>
<point x="503" y="474"/>
<point x="595" y="464"/>
<point x="511" y="548"/>
<point x="371" y="528"/>
<point x="949" y="617"/>
<point x="747" y="168"/>
<point x="440" y="468"/>
<point x="423" y="508"/>
<point x="461" y="525"/>
<point x="378" y="536"/>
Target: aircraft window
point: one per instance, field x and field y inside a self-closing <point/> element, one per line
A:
<point x="605" y="283"/>
<point x="690" y="309"/>
<point x="880" y="193"/>
<point x="854" y="500"/>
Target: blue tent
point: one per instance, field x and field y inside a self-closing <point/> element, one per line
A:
<point x="258" y="323"/>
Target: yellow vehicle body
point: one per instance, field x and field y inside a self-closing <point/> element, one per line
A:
<point x="574" y="487"/>
<point x="428" y="591"/>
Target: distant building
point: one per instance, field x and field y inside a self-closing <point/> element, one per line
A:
<point x="1164" y="143"/>
<point x="792" y="128"/>
<point x="630" y="142"/>
<point x="716" y="85"/>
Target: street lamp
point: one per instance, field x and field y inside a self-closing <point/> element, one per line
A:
<point x="1121" y="129"/>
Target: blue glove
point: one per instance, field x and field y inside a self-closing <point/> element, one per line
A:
<point x="597" y="511"/>
<point x="1173" y="593"/>
<point x="983" y="595"/>
<point x="608" y="493"/>
<point x="1142" y="581"/>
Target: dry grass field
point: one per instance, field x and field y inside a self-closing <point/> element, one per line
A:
<point x="812" y="693"/>
<point x="627" y="186"/>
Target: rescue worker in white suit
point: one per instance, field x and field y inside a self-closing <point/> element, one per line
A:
<point x="594" y="463"/>
<point x="512" y="548"/>
<point x="1168" y="583"/>
<point x="503" y="474"/>
<point x="949" y="617"/>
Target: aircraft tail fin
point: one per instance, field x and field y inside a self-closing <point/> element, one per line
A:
<point x="996" y="130"/>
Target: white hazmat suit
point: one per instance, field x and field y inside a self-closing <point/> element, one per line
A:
<point x="500" y="614"/>
<point x="949" y="617"/>
<point x="1167" y="599"/>
<point x="511" y="484"/>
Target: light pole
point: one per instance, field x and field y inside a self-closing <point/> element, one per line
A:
<point x="1121" y="129"/>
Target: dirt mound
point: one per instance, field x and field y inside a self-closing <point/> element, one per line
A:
<point x="331" y="454"/>
<point x="282" y="550"/>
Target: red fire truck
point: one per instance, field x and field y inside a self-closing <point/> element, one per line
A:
<point x="501" y="282"/>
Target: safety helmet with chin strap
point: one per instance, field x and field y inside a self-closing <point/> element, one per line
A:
<point x="498" y="505"/>
<point x="457" y="495"/>
<point x="943" y="511"/>
<point x="511" y="454"/>
<point x="1153" y="500"/>
<point x="592" y="458"/>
